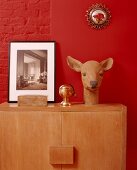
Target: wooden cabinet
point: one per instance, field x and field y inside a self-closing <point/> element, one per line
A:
<point x="78" y="137"/>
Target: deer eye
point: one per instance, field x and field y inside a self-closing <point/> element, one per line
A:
<point x="83" y="74"/>
<point x="101" y="73"/>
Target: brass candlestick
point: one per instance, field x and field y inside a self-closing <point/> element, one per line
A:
<point x="66" y="91"/>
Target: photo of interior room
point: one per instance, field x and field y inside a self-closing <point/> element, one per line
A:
<point x="31" y="70"/>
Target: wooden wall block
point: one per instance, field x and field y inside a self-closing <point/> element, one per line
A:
<point x="32" y="100"/>
<point x="61" y="155"/>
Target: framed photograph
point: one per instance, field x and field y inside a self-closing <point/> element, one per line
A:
<point x="31" y="69"/>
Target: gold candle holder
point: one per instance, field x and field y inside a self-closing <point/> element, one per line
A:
<point x="66" y="91"/>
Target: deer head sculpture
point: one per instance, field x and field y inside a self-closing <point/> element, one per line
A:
<point x="91" y="73"/>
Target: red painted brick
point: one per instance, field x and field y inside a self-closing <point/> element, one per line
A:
<point x="44" y="30"/>
<point x="3" y="54"/>
<point x="12" y="5"/>
<point x="4" y="46"/>
<point x="3" y="62"/>
<point x="17" y="37"/>
<point x="39" y="21"/>
<point x="40" y="5"/>
<point x="4" y="71"/>
<point x="20" y="20"/>
<point x="25" y="29"/>
<point x="3" y="87"/>
<point x="43" y="12"/>
<point x="17" y="21"/>
<point x="4" y="21"/>
<point x="25" y="13"/>
<point x="39" y="37"/>
<point x="5" y="13"/>
<point x="5" y="93"/>
<point x="0" y="70"/>
<point x="37" y="1"/>
<point x="6" y="29"/>
<point x="4" y="80"/>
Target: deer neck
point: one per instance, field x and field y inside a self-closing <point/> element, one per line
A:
<point x="91" y="97"/>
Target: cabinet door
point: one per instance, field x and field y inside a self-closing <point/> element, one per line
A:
<point x="25" y="138"/>
<point x="98" y="139"/>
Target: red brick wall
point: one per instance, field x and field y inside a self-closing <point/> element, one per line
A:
<point x="20" y="20"/>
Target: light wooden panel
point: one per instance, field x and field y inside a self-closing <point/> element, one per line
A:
<point x="56" y="107"/>
<point x="98" y="134"/>
<point x="61" y="155"/>
<point x="98" y="138"/>
<point x="32" y="100"/>
<point x="25" y="138"/>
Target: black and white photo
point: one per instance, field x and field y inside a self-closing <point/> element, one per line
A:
<point x="32" y="69"/>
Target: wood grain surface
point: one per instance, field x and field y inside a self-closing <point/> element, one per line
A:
<point x="61" y="155"/>
<point x="97" y="134"/>
<point x="25" y="139"/>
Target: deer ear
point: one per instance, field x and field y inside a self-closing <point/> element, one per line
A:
<point x="107" y="64"/>
<point x="74" y="64"/>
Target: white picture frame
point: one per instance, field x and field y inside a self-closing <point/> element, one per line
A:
<point x="31" y="69"/>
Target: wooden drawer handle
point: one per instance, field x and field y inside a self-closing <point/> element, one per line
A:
<point x="61" y="155"/>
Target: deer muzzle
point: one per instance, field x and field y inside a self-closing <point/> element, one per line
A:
<point x="93" y="84"/>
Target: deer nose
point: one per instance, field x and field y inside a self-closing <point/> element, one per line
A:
<point x="93" y="84"/>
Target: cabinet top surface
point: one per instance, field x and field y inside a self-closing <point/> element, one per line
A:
<point x="56" y="107"/>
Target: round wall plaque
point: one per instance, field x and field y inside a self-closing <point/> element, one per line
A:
<point x="98" y="16"/>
